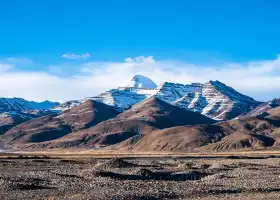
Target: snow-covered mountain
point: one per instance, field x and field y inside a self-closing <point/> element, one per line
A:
<point x="66" y="106"/>
<point x="171" y="92"/>
<point x="143" y="87"/>
<point x="14" y="111"/>
<point x="124" y="97"/>
<point x="218" y="101"/>
<point x="22" y="105"/>
<point x="137" y="89"/>
<point x="213" y="99"/>
<point x="262" y="109"/>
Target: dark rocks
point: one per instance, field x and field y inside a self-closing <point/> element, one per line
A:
<point x="144" y="172"/>
<point x="26" y="183"/>
<point x="116" y="163"/>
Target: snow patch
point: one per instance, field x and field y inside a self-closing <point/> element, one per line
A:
<point x="139" y="81"/>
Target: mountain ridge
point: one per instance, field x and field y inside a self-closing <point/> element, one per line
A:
<point x="213" y="99"/>
<point x="145" y="117"/>
<point x="218" y="101"/>
<point x="142" y="118"/>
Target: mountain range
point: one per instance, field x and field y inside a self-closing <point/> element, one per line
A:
<point x="14" y="111"/>
<point x="142" y="116"/>
<point x="213" y="99"/>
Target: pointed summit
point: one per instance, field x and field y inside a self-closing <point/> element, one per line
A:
<point x="228" y="91"/>
<point x="217" y="101"/>
<point x="139" y="81"/>
<point x="161" y="114"/>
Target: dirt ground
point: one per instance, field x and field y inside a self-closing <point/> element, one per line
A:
<point x="153" y="178"/>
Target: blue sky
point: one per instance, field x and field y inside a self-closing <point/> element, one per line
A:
<point x="110" y="29"/>
<point x="208" y="34"/>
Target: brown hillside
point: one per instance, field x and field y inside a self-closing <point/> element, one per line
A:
<point x="245" y="133"/>
<point x="240" y="140"/>
<point x="181" y="138"/>
<point x="141" y="119"/>
<point x="106" y="133"/>
<point x="163" y="115"/>
<point x="223" y="136"/>
<point x="9" y="122"/>
<point x="52" y="127"/>
<point x="274" y="113"/>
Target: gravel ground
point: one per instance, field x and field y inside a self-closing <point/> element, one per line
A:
<point x="151" y="178"/>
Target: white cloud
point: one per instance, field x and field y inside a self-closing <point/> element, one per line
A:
<point x="5" y="67"/>
<point x="7" y="64"/>
<point x="259" y="79"/>
<point x="74" y="56"/>
<point x="140" y="59"/>
<point x="19" y="60"/>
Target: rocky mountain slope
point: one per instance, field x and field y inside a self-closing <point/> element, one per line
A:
<point x="9" y="120"/>
<point x="171" y="92"/>
<point x="262" y="109"/>
<point x="52" y="127"/>
<point x="273" y="113"/>
<point x="162" y="115"/>
<point x="218" y="101"/>
<point x="179" y="138"/>
<point x="22" y="105"/>
<point x="151" y="125"/>
<point x="244" y="133"/>
<point x="66" y="106"/>
<point x="14" y="111"/>
<point x="250" y="133"/>
<point x="142" y="118"/>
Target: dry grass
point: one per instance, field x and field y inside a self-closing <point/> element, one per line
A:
<point x="76" y="153"/>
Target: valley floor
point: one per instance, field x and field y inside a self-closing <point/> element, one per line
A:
<point x="139" y="177"/>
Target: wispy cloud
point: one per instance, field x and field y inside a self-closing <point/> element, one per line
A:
<point x="7" y="64"/>
<point x="5" y="67"/>
<point x="19" y="60"/>
<point x="74" y="56"/>
<point x="259" y="79"/>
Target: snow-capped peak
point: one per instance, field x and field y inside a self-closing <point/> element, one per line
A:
<point x="228" y="91"/>
<point x="218" y="101"/>
<point x="213" y="99"/>
<point x="139" y="81"/>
